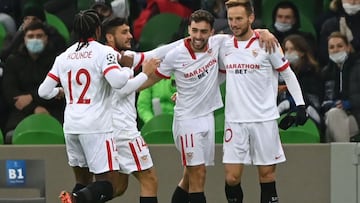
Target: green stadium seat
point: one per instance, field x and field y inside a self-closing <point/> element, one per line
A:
<point x="308" y="133"/>
<point x="57" y="23"/>
<point x="158" y="130"/>
<point x="159" y="30"/>
<point x="38" y="129"/>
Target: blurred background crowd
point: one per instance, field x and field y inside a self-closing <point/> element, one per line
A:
<point x="321" y="40"/>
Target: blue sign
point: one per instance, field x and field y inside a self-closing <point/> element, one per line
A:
<point x="15" y="172"/>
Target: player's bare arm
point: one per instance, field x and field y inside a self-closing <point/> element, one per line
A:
<point x="268" y="40"/>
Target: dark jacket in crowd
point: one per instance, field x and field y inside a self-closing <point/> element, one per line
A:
<point x="332" y="25"/>
<point x="23" y="75"/>
<point x="349" y="89"/>
<point x="309" y="37"/>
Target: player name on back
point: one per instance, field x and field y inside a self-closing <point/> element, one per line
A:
<point x="80" y="55"/>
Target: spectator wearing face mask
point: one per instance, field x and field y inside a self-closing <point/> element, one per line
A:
<point x="23" y="73"/>
<point x="303" y="63"/>
<point x="286" y="21"/>
<point x="347" y="22"/>
<point x="341" y="76"/>
<point x="32" y="13"/>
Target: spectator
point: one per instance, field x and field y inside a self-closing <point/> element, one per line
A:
<point x="32" y="14"/>
<point x="156" y="100"/>
<point x="347" y="22"/>
<point x="332" y="11"/>
<point x="286" y="21"/>
<point x="342" y="92"/>
<point x="24" y="71"/>
<point x="103" y="9"/>
<point x="302" y="61"/>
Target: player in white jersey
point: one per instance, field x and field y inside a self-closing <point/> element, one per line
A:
<point x="134" y="155"/>
<point x="87" y="70"/>
<point x="251" y="132"/>
<point x="194" y="65"/>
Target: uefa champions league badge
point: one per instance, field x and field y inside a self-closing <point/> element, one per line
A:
<point x="15" y="172"/>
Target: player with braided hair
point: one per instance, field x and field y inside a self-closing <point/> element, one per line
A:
<point x="87" y="71"/>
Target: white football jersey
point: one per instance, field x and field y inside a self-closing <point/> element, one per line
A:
<point x="123" y="104"/>
<point x="251" y="80"/>
<point x="196" y="78"/>
<point x="81" y="74"/>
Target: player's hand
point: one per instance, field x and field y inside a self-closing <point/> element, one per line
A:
<point x="149" y="66"/>
<point x="40" y="109"/>
<point x="22" y="101"/>
<point x="173" y="97"/>
<point x="61" y="93"/>
<point x="301" y="115"/>
<point x="282" y="88"/>
<point x="126" y="60"/>
<point x="267" y="40"/>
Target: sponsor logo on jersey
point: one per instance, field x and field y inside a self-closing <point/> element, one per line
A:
<point x="201" y="72"/>
<point x="241" y="68"/>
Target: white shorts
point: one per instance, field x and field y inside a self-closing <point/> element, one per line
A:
<point x="255" y="143"/>
<point x="134" y="154"/>
<point x="96" y="151"/>
<point x="195" y="140"/>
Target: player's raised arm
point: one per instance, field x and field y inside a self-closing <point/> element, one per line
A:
<point x="135" y="59"/>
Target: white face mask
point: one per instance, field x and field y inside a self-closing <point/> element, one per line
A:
<point x="282" y="27"/>
<point x="351" y="9"/>
<point x="292" y="57"/>
<point x="35" y="46"/>
<point x="338" y="57"/>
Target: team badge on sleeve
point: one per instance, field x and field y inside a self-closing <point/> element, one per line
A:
<point x="111" y="58"/>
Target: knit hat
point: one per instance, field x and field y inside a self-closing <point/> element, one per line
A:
<point x="34" y="11"/>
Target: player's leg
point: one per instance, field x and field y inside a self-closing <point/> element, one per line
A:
<point x="267" y="184"/>
<point x="83" y="177"/>
<point x="194" y="139"/>
<point x="148" y="185"/>
<point x="121" y="184"/>
<point x="233" y="190"/>
<point x="77" y="161"/>
<point x="197" y="176"/>
<point x="266" y="151"/>
<point x="102" y="160"/>
<point x="236" y="153"/>
<point x="181" y="193"/>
